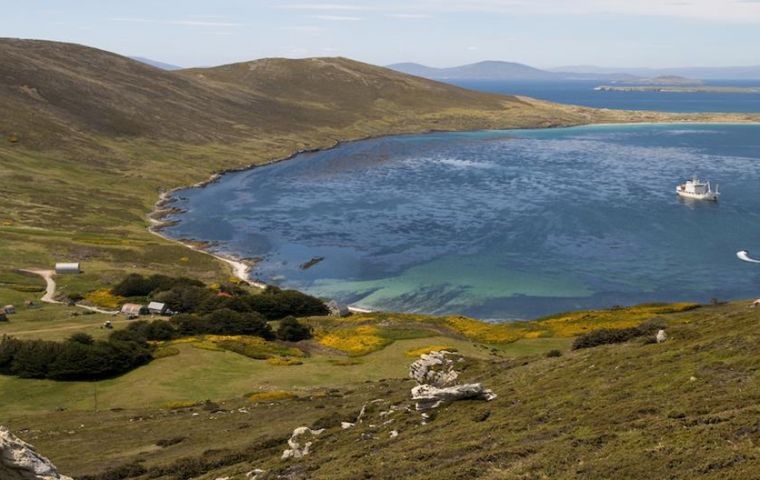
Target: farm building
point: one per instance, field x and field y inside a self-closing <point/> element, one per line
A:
<point x="132" y="309"/>
<point x="9" y="310"/>
<point x="157" y="308"/>
<point x="62" y="268"/>
<point x="337" y="310"/>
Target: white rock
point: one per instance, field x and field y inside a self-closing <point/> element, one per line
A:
<point x="394" y="433"/>
<point x="298" y="449"/>
<point x="19" y="461"/>
<point x="661" y="336"/>
<point x="346" y="425"/>
<point x="255" y="474"/>
<point x="428" y="396"/>
<point x="434" y="368"/>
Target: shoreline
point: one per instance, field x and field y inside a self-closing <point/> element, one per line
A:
<point x="242" y="269"/>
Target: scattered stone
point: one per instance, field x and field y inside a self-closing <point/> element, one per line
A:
<point x="394" y="433"/>
<point x="428" y="396"/>
<point x="693" y="379"/>
<point x="481" y="416"/>
<point x="298" y="450"/>
<point x="255" y="474"/>
<point x="661" y="336"/>
<point x="346" y="425"/>
<point x="434" y="368"/>
<point x="19" y="460"/>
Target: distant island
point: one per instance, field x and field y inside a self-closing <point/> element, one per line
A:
<point x="669" y="80"/>
<point x="676" y="89"/>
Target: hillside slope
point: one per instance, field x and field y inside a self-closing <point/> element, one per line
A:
<point x="685" y="408"/>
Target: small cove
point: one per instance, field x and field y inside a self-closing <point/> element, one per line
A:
<point x="496" y="224"/>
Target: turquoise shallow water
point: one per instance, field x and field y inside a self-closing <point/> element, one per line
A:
<point x="497" y="224"/>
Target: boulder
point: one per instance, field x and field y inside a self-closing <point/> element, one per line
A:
<point x="429" y="396"/>
<point x="661" y="336"/>
<point x="434" y="368"/>
<point x="299" y="448"/>
<point x="19" y="461"/>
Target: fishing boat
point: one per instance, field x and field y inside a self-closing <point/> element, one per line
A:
<point x="696" y="189"/>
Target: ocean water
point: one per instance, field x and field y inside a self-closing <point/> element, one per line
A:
<point x="581" y="92"/>
<point x="498" y="224"/>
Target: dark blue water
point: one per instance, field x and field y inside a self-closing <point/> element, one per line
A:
<point x="499" y="224"/>
<point x="581" y="92"/>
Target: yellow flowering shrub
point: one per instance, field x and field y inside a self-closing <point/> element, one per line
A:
<point x="270" y="396"/>
<point x="432" y="348"/>
<point x="576" y="323"/>
<point x="104" y="298"/>
<point x="485" y="332"/>
<point x="283" y="361"/>
<point x="180" y="404"/>
<point x="354" y="341"/>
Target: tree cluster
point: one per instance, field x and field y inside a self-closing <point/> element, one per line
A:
<point x="191" y="296"/>
<point x="79" y="358"/>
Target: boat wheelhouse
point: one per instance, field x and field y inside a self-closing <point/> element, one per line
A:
<point x="697" y="190"/>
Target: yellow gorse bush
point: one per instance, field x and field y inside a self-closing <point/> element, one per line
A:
<point x="270" y="396"/>
<point x="180" y="404"/>
<point x="432" y="348"/>
<point x="104" y="298"/>
<point x="354" y="341"/>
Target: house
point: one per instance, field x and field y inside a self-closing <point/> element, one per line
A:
<point x="63" y="268"/>
<point x="157" y="308"/>
<point x="132" y="309"/>
<point x="337" y="310"/>
<point x="9" y="310"/>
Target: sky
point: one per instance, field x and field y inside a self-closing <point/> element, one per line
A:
<point x="541" y="33"/>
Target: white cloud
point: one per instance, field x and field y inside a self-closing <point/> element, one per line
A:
<point x="326" y="7"/>
<point x="726" y="10"/>
<point x="305" y="28"/>
<point x="337" y="18"/>
<point x="408" y="15"/>
<point x="187" y="23"/>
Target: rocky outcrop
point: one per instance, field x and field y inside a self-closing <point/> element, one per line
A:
<point x="428" y="396"/>
<point x="19" y="461"/>
<point x="435" y="374"/>
<point x="434" y="368"/>
<point x="298" y="447"/>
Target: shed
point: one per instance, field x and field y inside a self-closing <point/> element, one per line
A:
<point x="132" y="309"/>
<point x="62" y="268"/>
<point x="337" y="310"/>
<point x="157" y="308"/>
<point x="9" y="310"/>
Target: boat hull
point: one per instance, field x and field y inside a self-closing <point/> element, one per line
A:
<point x="710" y="196"/>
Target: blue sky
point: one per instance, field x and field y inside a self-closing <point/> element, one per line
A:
<point x="543" y="33"/>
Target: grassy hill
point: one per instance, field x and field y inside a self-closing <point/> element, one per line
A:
<point x="686" y="408"/>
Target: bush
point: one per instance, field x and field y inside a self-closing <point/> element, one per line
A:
<point x="83" y="338"/>
<point x="135" y="285"/>
<point x="224" y="322"/>
<point x="610" y="336"/>
<point x="275" y="304"/>
<point x="553" y="353"/>
<point x="79" y="358"/>
<point x="291" y="330"/>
